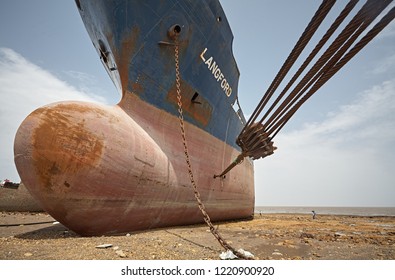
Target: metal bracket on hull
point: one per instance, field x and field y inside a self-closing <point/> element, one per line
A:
<point x="237" y="161"/>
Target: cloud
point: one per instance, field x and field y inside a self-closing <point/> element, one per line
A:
<point x="25" y="87"/>
<point x="384" y="66"/>
<point x="345" y="160"/>
<point x="362" y="120"/>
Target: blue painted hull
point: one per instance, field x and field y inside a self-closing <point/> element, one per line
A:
<point x="135" y="33"/>
<point x="108" y="169"/>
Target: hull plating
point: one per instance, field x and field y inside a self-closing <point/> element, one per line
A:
<point x="106" y="169"/>
<point x="97" y="171"/>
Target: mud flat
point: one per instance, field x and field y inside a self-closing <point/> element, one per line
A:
<point x="26" y="236"/>
<point x="18" y="200"/>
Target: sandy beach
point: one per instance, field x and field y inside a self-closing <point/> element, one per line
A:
<point x="33" y="236"/>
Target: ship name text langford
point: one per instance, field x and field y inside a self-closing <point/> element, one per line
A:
<point x="212" y="65"/>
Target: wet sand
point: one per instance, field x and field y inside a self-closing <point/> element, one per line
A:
<point x="28" y="236"/>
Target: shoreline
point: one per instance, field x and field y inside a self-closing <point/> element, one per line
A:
<point x="267" y="236"/>
<point x="324" y="210"/>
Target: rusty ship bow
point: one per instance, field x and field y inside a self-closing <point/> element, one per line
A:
<point x="102" y="169"/>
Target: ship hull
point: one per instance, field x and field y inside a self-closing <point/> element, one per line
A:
<point x="101" y="169"/>
<point x="97" y="171"/>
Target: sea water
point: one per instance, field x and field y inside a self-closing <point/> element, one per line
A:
<point x="352" y="211"/>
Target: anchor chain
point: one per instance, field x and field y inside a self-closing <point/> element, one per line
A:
<point x="202" y="208"/>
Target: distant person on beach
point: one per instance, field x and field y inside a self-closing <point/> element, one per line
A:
<point x="313" y="214"/>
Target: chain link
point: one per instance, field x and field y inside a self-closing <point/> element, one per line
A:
<point x="202" y="208"/>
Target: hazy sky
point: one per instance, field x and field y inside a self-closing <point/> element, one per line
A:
<point x="338" y="150"/>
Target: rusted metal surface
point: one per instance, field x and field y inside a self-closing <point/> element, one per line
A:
<point x="106" y="169"/>
<point x="94" y="169"/>
<point x="198" y="109"/>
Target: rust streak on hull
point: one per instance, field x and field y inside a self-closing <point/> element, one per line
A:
<point x="99" y="172"/>
<point x="101" y="169"/>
